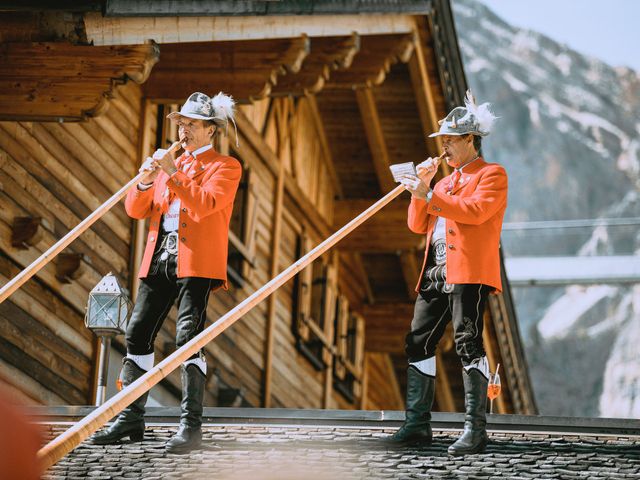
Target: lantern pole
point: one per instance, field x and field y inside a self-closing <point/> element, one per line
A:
<point x="103" y="369"/>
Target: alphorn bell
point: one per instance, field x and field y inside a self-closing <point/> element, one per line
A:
<point x="71" y="438"/>
<point x="17" y="281"/>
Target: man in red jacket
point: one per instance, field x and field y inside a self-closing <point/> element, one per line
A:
<point x="189" y="203"/>
<point x="462" y="219"/>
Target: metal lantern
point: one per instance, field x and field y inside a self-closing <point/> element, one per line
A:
<point x="108" y="310"/>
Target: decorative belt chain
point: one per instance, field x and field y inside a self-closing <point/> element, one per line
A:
<point x="169" y="245"/>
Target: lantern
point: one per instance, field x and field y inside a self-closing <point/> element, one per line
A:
<point x="108" y="310"/>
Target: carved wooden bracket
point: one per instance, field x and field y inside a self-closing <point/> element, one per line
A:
<point x="244" y="69"/>
<point x="61" y="81"/>
<point x="26" y="232"/>
<point x="69" y="266"/>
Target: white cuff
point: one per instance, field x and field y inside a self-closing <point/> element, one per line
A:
<point x="426" y="366"/>
<point x="481" y="364"/>
<point x="144" y="362"/>
<point x="199" y="362"/>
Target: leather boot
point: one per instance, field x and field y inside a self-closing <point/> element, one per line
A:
<point x="189" y="436"/>
<point x="130" y="422"/>
<point x="417" y="427"/>
<point x="474" y="438"/>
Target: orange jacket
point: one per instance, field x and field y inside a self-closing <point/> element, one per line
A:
<point x="206" y="193"/>
<point x="473" y="214"/>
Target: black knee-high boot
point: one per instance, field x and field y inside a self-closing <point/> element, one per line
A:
<point x="189" y="436"/>
<point x="417" y="425"/>
<point x="474" y="438"/>
<point x="130" y="422"/>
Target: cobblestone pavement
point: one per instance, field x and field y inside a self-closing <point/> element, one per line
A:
<point x="319" y="453"/>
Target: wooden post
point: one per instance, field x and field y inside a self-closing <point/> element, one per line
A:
<point x="138" y="239"/>
<point x="55" y="249"/>
<point x="68" y="440"/>
<point x="275" y="260"/>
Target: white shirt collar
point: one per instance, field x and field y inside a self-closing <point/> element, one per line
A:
<point x="468" y="163"/>
<point x="200" y="150"/>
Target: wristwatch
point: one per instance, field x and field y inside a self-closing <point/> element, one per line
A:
<point x="429" y="195"/>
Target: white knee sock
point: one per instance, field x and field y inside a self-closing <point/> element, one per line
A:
<point x="426" y="366"/>
<point x="144" y="362"/>
<point x="199" y="362"/>
<point x="481" y="364"/>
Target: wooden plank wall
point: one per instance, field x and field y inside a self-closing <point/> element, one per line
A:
<point x="61" y="173"/>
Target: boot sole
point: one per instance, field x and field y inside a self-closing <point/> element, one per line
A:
<point x="134" y="437"/>
<point x="472" y="451"/>
<point x="408" y="443"/>
<point x="183" y="449"/>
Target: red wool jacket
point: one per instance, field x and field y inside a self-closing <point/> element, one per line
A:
<point x="206" y="192"/>
<point x="473" y="213"/>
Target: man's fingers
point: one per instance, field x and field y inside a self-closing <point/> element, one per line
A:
<point x="158" y="154"/>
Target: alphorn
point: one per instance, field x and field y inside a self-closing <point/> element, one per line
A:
<point x="68" y="440"/>
<point x="17" y="281"/>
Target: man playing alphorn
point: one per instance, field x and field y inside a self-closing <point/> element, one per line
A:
<point x="461" y="218"/>
<point x="189" y="203"/>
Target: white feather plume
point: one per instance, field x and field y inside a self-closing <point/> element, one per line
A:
<point x="223" y="107"/>
<point x="482" y="113"/>
<point x="223" y="111"/>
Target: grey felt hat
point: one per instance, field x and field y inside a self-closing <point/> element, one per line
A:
<point x="202" y="107"/>
<point x="470" y="119"/>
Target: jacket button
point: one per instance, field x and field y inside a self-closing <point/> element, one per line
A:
<point x="451" y="230"/>
<point x="184" y="225"/>
<point x="451" y="246"/>
<point x="151" y="239"/>
<point x="184" y="209"/>
<point x="435" y="208"/>
<point x="183" y="239"/>
<point x="158" y="208"/>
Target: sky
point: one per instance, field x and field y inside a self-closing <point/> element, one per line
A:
<point x="606" y="29"/>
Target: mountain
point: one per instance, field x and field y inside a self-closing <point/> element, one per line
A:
<point x="569" y="137"/>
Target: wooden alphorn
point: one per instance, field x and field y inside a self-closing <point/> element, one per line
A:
<point x="68" y="440"/>
<point x="17" y="281"/>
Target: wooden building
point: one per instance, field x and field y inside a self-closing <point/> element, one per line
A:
<point x="331" y="94"/>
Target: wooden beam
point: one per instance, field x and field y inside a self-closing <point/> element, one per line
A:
<point x="375" y="138"/>
<point x="386" y="325"/>
<point x="270" y="159"/>
<point x="372" y="63"/>
<point x="52" y="81"/>
<point x="246" y="70"/>
<point x="444" y="394"/>
<point x="324" y="144"/>
<point x="274" y="264"/>
<point x="103" y="30"/>
<point x="385" y="232"/>
<point x="327" y="54"/>
<point x="410" y="271"/>
<point x="138" y="237"/>
<point x="425" y="86"/>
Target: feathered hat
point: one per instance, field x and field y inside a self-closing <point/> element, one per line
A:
<point x="471" y="119"/>
<point x="219" y="109"/>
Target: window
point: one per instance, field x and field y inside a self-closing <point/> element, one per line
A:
<point x="242" y="232"/>
<point x="315" y="307"/>
<point x="349" y="361"/>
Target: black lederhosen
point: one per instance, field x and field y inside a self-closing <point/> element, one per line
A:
<point x="439" y="303"/>
<point x="156" y="295"/>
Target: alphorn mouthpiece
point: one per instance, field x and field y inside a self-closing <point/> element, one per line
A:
<point x="174" y="146"/>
